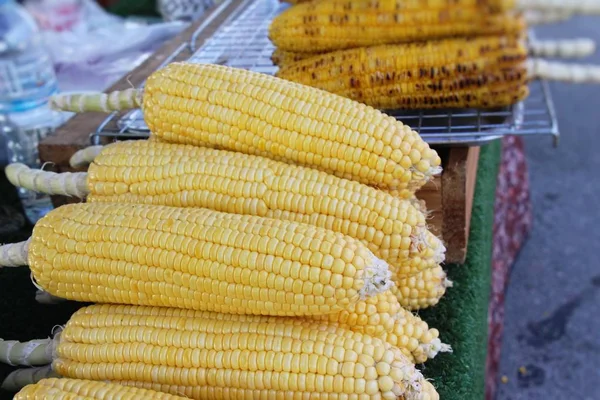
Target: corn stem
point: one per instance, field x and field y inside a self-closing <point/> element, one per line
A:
<point x="102" y="102"/>
<point x="65" y="184"/>
<point x="33" y="352"/>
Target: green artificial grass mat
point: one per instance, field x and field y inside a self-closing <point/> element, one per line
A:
<point x="461" y="316"/>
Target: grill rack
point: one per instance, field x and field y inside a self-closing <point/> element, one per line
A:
<point x="242" y="42"/>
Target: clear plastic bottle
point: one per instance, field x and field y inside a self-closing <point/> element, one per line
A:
<point x="27" y="79"/>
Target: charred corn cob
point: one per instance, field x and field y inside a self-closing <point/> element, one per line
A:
<point x="474" y="72"/>
<point x="280" y="57"/>
<point x="196" y="258"/>
<point x="206" y="355"/>
<point x="328" y="25"/>
<point x="142" y="172"/>
<point x="562" y="48"/>
<point x="233" y="109"/>
<point x="81" y="389"/>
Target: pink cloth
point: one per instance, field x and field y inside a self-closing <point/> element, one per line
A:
<point x="512" y="224"/>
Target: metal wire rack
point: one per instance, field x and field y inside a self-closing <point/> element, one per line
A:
<point x="242" y="42"/>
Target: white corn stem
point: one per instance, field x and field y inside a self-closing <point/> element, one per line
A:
<point x="377" y="279"/>
<point x="556" y="71"/>
<point x="14" y="254"/>
<point x="84" y="157"/>
<point x="564" y="48"/>
<point x="102" y="102"/>
<point x="584" y="7"/>
<point x="534" y="17"/>
<point x="20" y="378"/>
<point x="65" y="184"/>
<point x="44" y="297"/>
<point x="435" y="347"/>
<point x="33" y="352"/>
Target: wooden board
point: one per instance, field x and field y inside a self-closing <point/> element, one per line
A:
<point x="448" y="197"/>
<point x="449" y="200"/>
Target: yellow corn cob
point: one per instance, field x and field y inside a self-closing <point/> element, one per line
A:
<point x="198" y="259"/>
<point x="142" y="172"/>
<point x="383" y="317"/>
<point x="81" y="389"/>
<point x="237" y="183"/>
<point x="234" y="109"/>
<point x="423" y="290"/>
<point x="379" y="316"/>
<point x="206" y="355"/>
<point x="327" y="25"/>
<point x="476" y="72"/>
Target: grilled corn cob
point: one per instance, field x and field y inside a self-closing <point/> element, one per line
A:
<point x="561" y="48"/>
<point x="206" y="355"/>
<point x="327" y="25"/>
<point x="478" y="72"/>
<point x="81" y="389"/>
<point x="280" y="57"/>
<point x="474" y="72"/>
<point x="233" y="109"/>
<point x="142" y="172"/>
<point x="196" y="258"/>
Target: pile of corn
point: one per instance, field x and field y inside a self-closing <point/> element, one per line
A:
<point x="252" y="248"/>
<point x="420" y="54"/>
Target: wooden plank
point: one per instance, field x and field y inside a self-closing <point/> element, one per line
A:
<point x="456" y="211"/>
<point x="75" y="133"/>
<point x="472" y="165"/>
<point x="431" y="194"/>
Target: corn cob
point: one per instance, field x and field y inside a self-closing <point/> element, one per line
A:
<point x="475" y="72"/>
<point x="142" y="172"/>
<point x="81" y="389"/>
<point x="280" y="57"/>
<point x="233" y="109"/>
<point x="562" y="48"/>
<point x="206" y="355"/>
<point x="198" y="259"/>
<point x="379" y="316"/>
<point x="328" y="25"/>
<point x="423" y="290"/>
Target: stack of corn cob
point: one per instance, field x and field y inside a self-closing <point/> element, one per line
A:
<point x="250" y="249"/>
<point x="420" y="54"/>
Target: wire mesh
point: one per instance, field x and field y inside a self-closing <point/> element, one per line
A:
<point x="242" y="42"/>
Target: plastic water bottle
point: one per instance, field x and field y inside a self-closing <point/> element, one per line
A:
<point x="27" y="79"/>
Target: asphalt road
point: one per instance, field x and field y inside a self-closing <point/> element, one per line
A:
<point x="552" y="326"/>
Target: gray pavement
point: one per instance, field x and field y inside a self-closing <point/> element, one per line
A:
<point x="551" y="347"/>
